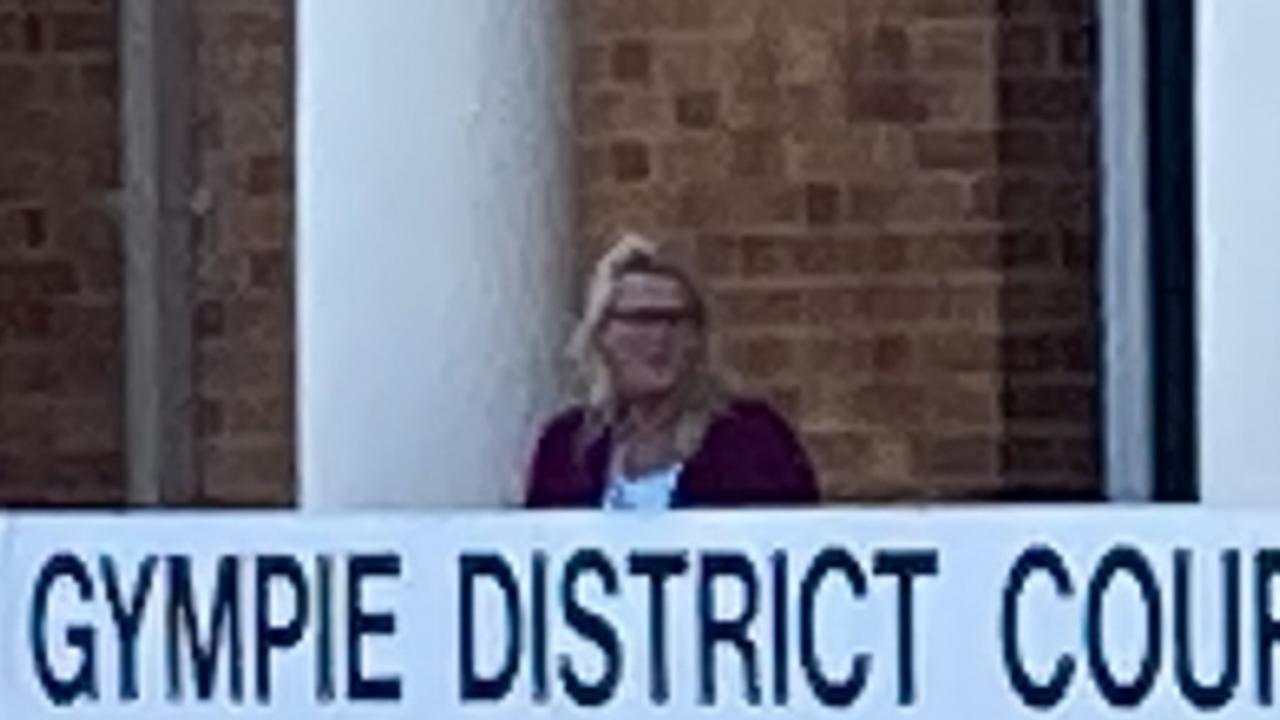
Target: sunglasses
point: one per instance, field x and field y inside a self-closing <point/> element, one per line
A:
<point x="653" y="316"/>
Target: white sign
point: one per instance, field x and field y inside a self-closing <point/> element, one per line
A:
<point x="914" y="614"/>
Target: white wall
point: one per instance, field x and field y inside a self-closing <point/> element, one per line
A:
<point x="1238" y="179"/>
<point x="433" y="223"/>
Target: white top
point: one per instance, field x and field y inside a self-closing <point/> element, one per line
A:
<point x="650" y="490"/>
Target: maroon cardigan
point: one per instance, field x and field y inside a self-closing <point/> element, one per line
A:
<point x="749" y="457"/>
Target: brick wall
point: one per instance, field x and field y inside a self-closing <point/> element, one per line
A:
<point x="61" y="412"/>
<point x="891" y="202"/>
<point x="60" y="290"/>
<point x="243" y="324"/>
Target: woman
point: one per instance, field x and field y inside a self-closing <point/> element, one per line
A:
<point x="657" y="428"/>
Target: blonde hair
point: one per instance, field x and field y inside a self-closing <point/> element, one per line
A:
<point x="703" y="393"/>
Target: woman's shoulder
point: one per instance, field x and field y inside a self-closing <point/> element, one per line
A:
<point x="744" y="415"/>
<point x="564" y="422"/>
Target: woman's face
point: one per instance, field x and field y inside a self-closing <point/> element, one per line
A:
<point x="649" y="338"/>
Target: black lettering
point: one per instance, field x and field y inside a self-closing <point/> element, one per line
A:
<point x="781" y="644"/>
<point x="658" y="568"/>
<point x="906" y="566"/>
<point x="1219" y="693"/>
<point x="128" y="619"/>
<point x="831" y="692"/>
<point x="82" y="683"/>
<point x="538" y="638"/>
<point x="224" y="623"/>
<point x="714" y="631"/>
<point x="591" y="626"/>
<point x="267" y="634"/>
<point x="1130" y="561"/>
<point x="324" y="632"/>
<point x="1037" y="695"/>
<point x="1266" y="568"/>
<point x="361" y="624"/>
<point x="471" y="567"/>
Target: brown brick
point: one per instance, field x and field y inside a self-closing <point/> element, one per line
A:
<point x="839" y="449"/>
<point x="839" y="355"/>
<point x="756" y="153"/>
<point x="786" y="398"/>
<point x="955" y="149"/>
<point x="717" y="255"/>
<point x="100" y="80"/>
<point x="825" y="256"/>
<point x="227" y="368"/>
<point x="1077" y="148"/>
<point x="26" y="319"/>
<point x="756" y="308"/>
<point x="631" y="161"/>
<point x="591" y="64"/>
<point x="10" y="32"/>
<point x="963" y="455"/>
<point x="970" y="305"/>
<point x="762" y="202"/>
<point x="891" y="101"/>
<point x="92" y="323"/>
<point x="832" y="307"/>
<point x="952" y="47"/>
<point x="833" y="158"/>
<point x="822" y="203"/>
<point x="901" y="304"/>
<point x="268" y="175"/>
<point x="960" y="351"/>
<point x="29" y="279"/>
<point x="890" y="254"/>
<point x="1046" y="99"/>
<point x="269" y="269"/>
<point x="35" y="227"/>
<point x="869" y="202"/>
<point x="17" y="82"/>
<point x="697" y="110"/>
<point x="961" y="99"/>
<point x="1025" y="148"/>
<point x="1026" y="302"/>
<point x="257" y="28"/>
<point x="1079" y="251"/>
<point x="1078" y="47"/>
<point x="1028" y="250"/>
<point x="889" y="49"/>
<point x="255" y="415"/>
<point x="247" y="476"/>
<point x="765" y="256"/>
<point x="892" y="353"/>
<point x="34" y="33"/>
<point x="953" y="8"/>
<point x="684" y="16"/>
<point x="1028" y="353"/>
<point x="687" y="66"/>
<point x="1023" y="47"/>
<point x="77" y="31"/>
<point x="761" y="357"/>
<point x="931" y="199"/>
<point x="1072" y="403"/>
<point x="954" y="252"/>
<point x="1078" y="350"/>
<point x="630" y="61"/>
<point x="976" y="403"/>
<point x="889" y="404"/>
<point x="1023" y="453"/>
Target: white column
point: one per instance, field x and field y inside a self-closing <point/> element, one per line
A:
<point x="1238" y="256"/>
<point x="434" y="232"/>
